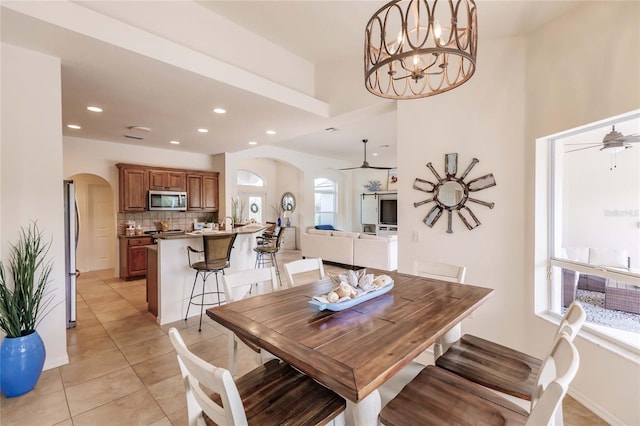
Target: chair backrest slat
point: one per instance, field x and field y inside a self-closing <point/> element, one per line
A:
<point x="557" y="371"/>
<point x="196" y="371"/>
<point x="439" y="271"/>
<point x="304" y="265"/>
<point x="238" y="284"/>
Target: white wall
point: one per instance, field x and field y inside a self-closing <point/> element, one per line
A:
<point x="310" y="167"/>
<point x="31" y="172"/>
<point x="484" y="118"/>
<point x="581" y="68"/>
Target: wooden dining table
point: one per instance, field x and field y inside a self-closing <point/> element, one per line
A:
<point x="356" y="350"/>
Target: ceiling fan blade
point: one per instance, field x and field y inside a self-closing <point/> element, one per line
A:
<point x="580" y="149"/>
<point x="584" y="143"/>
<point x="629" y="139"/>
<point x="365" y="163"/>
<point x="380" y="168"/>
<point x="351" y="168"/>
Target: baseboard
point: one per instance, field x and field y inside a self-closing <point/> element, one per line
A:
<point x="56" y="362"/>
<point x="595" y="408"/>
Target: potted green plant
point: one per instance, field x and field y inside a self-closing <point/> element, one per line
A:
<point x="24" y="301"/>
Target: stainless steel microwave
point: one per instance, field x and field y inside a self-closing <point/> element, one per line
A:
<point x="168" y="200"/>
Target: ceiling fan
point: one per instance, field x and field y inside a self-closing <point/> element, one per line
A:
<point x="365" y="163"/>
<point x="612" y="143"/>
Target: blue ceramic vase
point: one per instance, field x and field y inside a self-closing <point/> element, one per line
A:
<point x="279" y="222"/>
<point x="22" y="359"/>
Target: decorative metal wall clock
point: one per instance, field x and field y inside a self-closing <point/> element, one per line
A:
<point x="452" y="193"/>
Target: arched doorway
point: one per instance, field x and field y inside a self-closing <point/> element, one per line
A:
<point x="96" y="245"/>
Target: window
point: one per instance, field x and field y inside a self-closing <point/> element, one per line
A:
<point x="251" y="195"/>
<point x="325" y="201"/>
<point x="594" y="212"/>
<point x="247" y="178"/>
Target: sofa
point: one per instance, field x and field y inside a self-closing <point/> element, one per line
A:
<point x="351" y="248"/>
<point x="573" y="280"/>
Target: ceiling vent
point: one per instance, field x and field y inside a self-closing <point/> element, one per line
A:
<point x="134" y="137"/>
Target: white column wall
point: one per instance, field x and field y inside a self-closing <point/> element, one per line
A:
<point x="31" y="173"/>
<point x="484" y="118"/>
<point x="581" y="68"/>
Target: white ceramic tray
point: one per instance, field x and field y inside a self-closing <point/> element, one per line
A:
<point x="351" y="302"/>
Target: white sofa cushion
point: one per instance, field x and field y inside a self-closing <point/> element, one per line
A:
<point x="314" y="231"/>
<point x="376" y="252"/>
<point x="345" y="234"/>
<point x="326" y="247"/>
<point x="614" y="258"/>
<point x="371" y="237"/>
<point x="578" y="254"/>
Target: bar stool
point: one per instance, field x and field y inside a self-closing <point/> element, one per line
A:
<point x="217" y="251"/>
<point x="267" y="252"/>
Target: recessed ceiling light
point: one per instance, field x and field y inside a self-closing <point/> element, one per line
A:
<point x="220" y="110"/>
<point x="94" y="109"/>
<point x="174" y="142"/>
<point x="253" y="143"/>
<point x="331" y="129"/>
<point x="203" y="130"/>
<point x="271" y="132"/>
<point x="375" y="154"/>
<point x="384" y="146"/>
<point x="74" y="126"/>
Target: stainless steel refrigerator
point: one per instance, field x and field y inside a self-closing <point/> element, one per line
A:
<point x="71" y="235"/>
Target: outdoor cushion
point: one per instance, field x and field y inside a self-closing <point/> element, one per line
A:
<point x="614" y="258"/>
<point x="326" y="227"/>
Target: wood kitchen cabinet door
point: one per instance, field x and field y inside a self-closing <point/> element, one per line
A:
<point x="210" y="193"/>
<point x="133" y="189"/>
<point x="133" y="257"/>
<point x="194" y="192"/>
<point x="162" y="180"/>
<point x="202" y="192"/>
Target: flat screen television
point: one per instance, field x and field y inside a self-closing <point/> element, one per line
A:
<point x="388" y="212"/>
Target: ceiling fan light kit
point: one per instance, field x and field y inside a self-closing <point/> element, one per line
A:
<point x="419" y="48"/>
<point x="613" y="142"/>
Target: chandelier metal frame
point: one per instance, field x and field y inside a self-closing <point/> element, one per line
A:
<point x="419" y="48"/>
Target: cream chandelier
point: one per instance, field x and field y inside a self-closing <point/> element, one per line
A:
<point x="419" y="48"/>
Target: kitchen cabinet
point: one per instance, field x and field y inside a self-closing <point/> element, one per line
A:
<point x="135" y="181"/>
<point x="133" y="257"/>
<point x="133" y="186"/>
<point x="164" y="180"/>
<point x="152" y="279"/>
<point x="202" y="192"/>
<point x="289" y="238"/>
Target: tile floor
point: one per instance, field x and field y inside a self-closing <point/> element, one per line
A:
<point x="122" y="369"/>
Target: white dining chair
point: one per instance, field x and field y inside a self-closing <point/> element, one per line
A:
<point x="444" y="272"/>
<point x="265" y="395"/>
<point x="439" y="271"/>
<point x="237" y="286"/>
<point x="511" y="373"/>
<point x="437" y="397"/>
<point x="304" y="265"/>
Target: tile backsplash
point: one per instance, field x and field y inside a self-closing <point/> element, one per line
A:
<point x="150" y="221"/>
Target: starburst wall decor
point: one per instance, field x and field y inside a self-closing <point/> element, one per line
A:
<point x="452" y="193"/>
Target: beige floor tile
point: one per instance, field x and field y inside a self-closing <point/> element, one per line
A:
<point x="157" y="369"/>
<point x="136" y="334"/>
<point x="34" y="409"/>
<point x="118" y="310"/>
<point x="575" y="414"/>
<point x="138" y="408"/>
<point x="93" y="393"/>
<point x="162" y="422"/>
<point x="170" y="394"/>
<point x="90" y="368"/>
<point x="179" y="418"/>
<point x="147" y="349"/>
<point x="191" y="335"/>
<point x="126" y="324"/>
<point x="102" y="297"/>
<point x="89" y="347"/>
<point x="67" y="422"/>
<point x="210" y="349"/>
<point x="78" y="335"/>
<point x="50" y="381"/>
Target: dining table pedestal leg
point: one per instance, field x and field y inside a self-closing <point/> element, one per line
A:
<point x="365" y="412"/>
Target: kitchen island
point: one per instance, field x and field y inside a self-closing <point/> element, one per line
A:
<point x="175" y="277"/>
